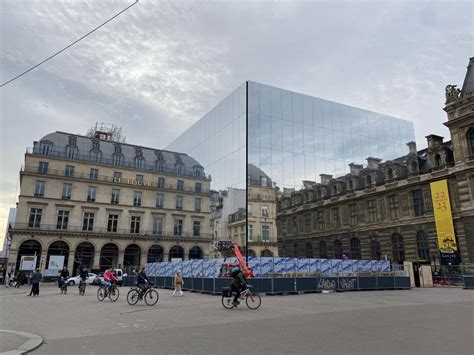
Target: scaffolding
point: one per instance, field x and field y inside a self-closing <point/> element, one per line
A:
<point x="106" y="132"/>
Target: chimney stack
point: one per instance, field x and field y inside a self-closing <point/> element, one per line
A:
<point x="373" y="163"/>
<point x="434" y="141"/>
<point x="325" y="179"/>
<point x="412" y="148"/>
<point x="355" y="169"/>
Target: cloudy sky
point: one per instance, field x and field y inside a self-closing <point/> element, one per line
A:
<point x="163" y="64"/>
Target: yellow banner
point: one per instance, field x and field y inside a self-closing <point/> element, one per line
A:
<point x="443" y="217"/>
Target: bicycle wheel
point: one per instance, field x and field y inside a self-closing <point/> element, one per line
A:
<point x="132" y="297"/>
<point x="228" y="302"/>
<point x="151" y="297"/>
<point x="114" y="294"/>
<point x="100" y="294"/>
<point x="253" y="300"/>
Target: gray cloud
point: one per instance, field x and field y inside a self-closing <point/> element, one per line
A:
<point x="160" y="66"/>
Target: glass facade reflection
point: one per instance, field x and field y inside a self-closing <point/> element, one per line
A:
<point x="291" y="137"/>
<point x="295" y="137"/>
<point x="218" y="141"/>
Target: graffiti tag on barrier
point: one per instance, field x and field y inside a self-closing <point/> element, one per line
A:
<point x="325" y="284"/>
<point x="347" y="284"/>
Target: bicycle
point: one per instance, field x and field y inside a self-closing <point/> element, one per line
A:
<point x="150" y="295"/>
<point x="252" y="300"/>
<point x="63" y="286"/>
<point x="111" y="291"/>
<point x="82" y="287"/>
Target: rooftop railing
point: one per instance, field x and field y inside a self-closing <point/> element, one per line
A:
<point x="122" y="163"/>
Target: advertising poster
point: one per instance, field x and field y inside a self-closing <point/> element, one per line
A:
<point x="444" y="222"/>
<point x="56" y="262"/>
<point x="28" y="263"/>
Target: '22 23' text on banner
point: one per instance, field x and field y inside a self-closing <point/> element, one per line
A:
<point x="443" y="217"/>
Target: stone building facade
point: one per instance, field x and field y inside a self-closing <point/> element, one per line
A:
<point x="104" y="203"/>
<point x="261" y="219"/>
<point x="385" y="209"/>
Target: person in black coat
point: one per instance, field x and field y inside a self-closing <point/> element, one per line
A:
<point x="35" y="280"/>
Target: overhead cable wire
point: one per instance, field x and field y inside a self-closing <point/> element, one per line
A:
<point x="65" y="48"/>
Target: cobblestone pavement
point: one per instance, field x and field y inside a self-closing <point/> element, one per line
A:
<point x="419" y="321"/>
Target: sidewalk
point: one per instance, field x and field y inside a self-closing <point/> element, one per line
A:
<point x="13" y="342"/>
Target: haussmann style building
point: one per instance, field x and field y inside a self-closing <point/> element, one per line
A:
<point x="101" y="202"/>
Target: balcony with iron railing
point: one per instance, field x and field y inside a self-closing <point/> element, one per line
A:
<point x="110" y="179"/>
<point x="124" y="163"/>
<point x="52" y="228"/>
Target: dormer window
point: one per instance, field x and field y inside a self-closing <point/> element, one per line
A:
<point x="471" y="141"/>
<point x="46" y="147"/>
<point x="263" y="181"/>
<point x="437" y="160"/>
<point x="368" y="180"/>
<point x="138" y="153"/>
<point x="95" y="156"/>
<point x="72" y="140"/>
<point x="117" y="149"/>
<point x="414" y="166"/>
<point x="334" y="190"/>
<point x="350" y="185"/>
<point x="319" y="194"/>
<point x="139" y="163"/>
<point x="71" y="152"/>
<point x="389" y="173"/>
<point x="198" y="171"/>
<point x="95" y="145"/>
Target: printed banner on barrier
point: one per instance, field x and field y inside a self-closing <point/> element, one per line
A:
<point x="443" y="217"/>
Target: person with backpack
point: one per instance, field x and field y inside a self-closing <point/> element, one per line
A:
<point x="239" y="283"/>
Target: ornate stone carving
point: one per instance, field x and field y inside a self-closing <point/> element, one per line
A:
<point x="452" y="93"/>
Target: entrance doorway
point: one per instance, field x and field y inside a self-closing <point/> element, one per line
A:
<point x="416" y="274"/>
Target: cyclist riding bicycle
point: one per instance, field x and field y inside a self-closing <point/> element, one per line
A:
<point x="109" y="277"/>
<point x="63" y="276"/>
<point x="142" y="282"/>
<point x="83" y="275"/>
<point x="239" y="283"/>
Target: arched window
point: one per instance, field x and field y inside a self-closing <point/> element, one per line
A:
<point x="323" y="251"/>
<point x="471" y="141"/>
<point x="389" y="173"/>
<point x="337" y="249"/>
<point x="355" y="249"/>
<point x="375" y="252"/>
<point x="422" y="248"/>
<point x="398" y="248"/>
<point x="437" y="160"/>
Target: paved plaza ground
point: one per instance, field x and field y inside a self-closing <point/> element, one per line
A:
<point x="419" y="321"/>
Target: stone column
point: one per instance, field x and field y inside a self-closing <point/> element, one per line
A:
<point x="121" y="255"/>
<point x="43" y="259"/>
<point x="143" y="258"/>
<point x="70" y="263"/>
<point x="96" y="261"/>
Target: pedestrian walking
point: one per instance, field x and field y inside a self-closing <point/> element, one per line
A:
<point x="178" y="284"/>
<point x="35" y="280"/>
